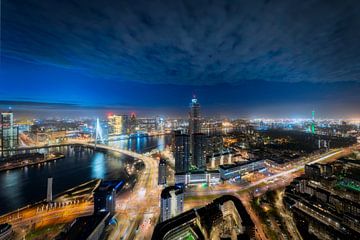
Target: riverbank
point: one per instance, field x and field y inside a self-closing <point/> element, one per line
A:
<point x="10" y="165"/>
<point x="80" y="195"/>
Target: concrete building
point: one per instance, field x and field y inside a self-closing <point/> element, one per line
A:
<point x="194" y="117"/>
<point x="198" y="177"/>
<point x="236" y="170"/>
<point x="198" y="151"/>
<point x="313" y="171"/>
<point x="172" y="202"/>
<point x="132" y="123"/>
<point x="325" y="200"/>
<point x="224" y="218"/>
<point x="214" y="145"/>
<point x="9" y="134"/>
<point x="162" y="172"/>
<point x="181" y="150"/>
<point x="146" y="125"/>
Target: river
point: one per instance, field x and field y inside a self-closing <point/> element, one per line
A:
<point x="23" y="186"/>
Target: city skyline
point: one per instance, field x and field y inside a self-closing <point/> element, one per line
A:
<point x="241" y="59"/>
<point x="181" y="119"/>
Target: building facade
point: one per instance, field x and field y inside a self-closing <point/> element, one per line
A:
<point x="162" y="172"/>
<point x="9" y="134"/>
<point x="181" y="151"/>
<point x="118" y="124"/>
<point x="172" y="202"/>
<point x="198" y="152"/>
<point x="194" y="121"/>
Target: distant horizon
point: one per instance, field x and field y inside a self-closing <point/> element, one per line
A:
<point x="60" y="110"/>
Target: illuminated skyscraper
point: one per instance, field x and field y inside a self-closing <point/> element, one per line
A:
<point x="9" y="133"/>
<point x="194" y="121"/>
<point x="118" y="124"/>
<point x="313" y="122"/>
<point x="181" y="152"/>
<point x="194" y="129"/>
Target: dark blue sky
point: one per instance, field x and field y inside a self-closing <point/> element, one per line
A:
<point x="241" y="58"/>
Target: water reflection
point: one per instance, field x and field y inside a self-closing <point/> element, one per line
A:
<point x="143" y="144"/>
<point x="11" y="186"/>
<point x="98" y="165"/>
<point x="161" y="143"/>
<point x="20" y="187"/>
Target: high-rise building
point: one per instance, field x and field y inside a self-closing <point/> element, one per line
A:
<point x="194" y="121"/>
<point x="198" y="154"/>
<point x="118" y="124"/>
<point x="214" y="144"/>
<point x="172" y="202"/>
<point x="132" y="123"/>
<point x="197" y="146"/>
<point x="160" y="123"/>
<point x="181" y="151"/>
<point x="162" y="172"/>
<point x="9" y="133"/>
<point x="313" y="122"/>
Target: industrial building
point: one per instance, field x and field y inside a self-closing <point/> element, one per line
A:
<point x="198" y="177"/>
<point x="238" y="169"/>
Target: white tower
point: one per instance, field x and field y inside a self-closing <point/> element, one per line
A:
<point x="98" y="132"/>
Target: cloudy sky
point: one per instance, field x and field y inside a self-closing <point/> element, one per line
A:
<point x="255" y="58"/>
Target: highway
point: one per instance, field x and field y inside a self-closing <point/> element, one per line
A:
<point x="138" y="210"/>
<point x="227" y="189"/>
<point x="142" y="201"/>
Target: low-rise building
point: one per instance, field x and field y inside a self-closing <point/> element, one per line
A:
<point x="236" y="170"/>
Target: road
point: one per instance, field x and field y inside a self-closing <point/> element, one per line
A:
<point x="142" y="201"/>
<point x="227" y="188"/>
<point x="198" y="196"/>
<point x="138" y="210"/>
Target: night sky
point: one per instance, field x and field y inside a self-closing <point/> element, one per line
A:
<point x="272" y="58"/>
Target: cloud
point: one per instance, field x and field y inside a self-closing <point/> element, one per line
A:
<point x="37" y="105"/>
<point x="189" y="42"/>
